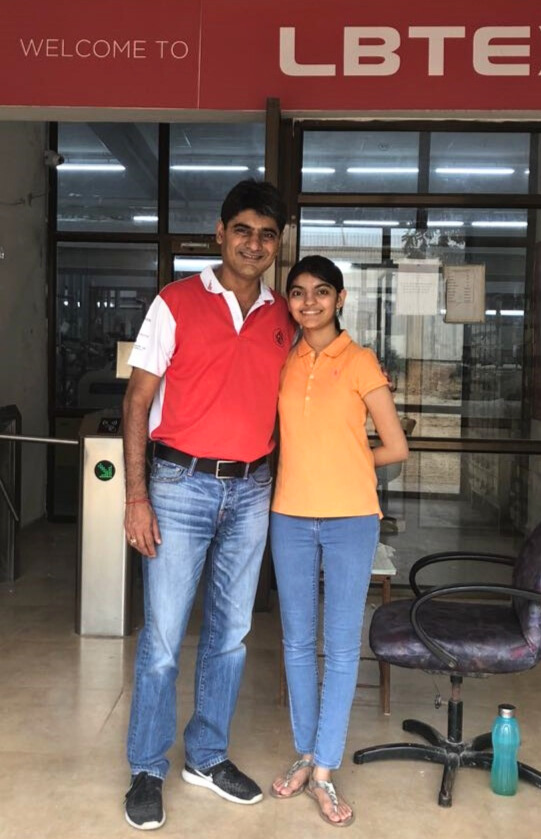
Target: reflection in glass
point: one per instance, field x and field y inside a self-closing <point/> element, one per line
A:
<point x="103" y="293"/>
<point x="109" y="178"/>
<point x="360" y="161"/>
<point x="474" y="162"/>
<point x="184" y="267"/>
<point x="444" y="501"/>
<point x="207" y="160"/>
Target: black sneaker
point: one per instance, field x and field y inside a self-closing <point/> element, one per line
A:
<point x="144" y="808"/>
<point x="225" y="780"/>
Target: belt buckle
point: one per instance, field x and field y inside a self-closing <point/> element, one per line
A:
<point x="219" y="464"/>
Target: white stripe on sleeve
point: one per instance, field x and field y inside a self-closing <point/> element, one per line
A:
<point x="155" y="342"/>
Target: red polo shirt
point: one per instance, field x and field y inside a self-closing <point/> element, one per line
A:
<point x="219" y="387"/>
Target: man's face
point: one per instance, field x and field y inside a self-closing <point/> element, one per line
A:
<point x="249" y="244"/>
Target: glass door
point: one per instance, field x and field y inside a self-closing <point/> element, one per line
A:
<point x="434" y="233"/>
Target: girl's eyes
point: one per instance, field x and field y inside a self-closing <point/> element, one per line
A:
<point x="297" y="292"/>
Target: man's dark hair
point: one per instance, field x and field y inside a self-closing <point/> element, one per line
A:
<point x="260" y="196"/>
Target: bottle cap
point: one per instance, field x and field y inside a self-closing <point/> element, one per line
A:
<point x="506" y="711"/>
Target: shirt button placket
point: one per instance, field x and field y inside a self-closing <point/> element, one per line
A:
<point x="309" y="384"/>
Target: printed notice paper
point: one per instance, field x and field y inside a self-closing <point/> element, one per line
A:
<point x="464" y="293"/>
<point x="417" y="287"/>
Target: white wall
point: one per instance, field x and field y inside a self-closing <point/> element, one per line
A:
<point x="23" y="323"/>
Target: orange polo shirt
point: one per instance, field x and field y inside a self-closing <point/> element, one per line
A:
<point x="326" y="467"/>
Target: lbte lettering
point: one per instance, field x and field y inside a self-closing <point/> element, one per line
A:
<point x="374" y="50"/>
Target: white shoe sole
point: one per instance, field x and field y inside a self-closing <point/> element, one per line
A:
<point x="146" y="825"/>
<point x="208" y="783"/>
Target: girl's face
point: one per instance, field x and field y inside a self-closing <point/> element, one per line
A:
<point x="313" y="302"/>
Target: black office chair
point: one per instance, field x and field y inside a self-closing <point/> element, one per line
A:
<point x="462" y="638"/>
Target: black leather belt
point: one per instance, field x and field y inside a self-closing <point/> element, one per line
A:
<point x="218" y="468"/>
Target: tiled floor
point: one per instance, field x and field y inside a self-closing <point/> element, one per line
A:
<point x="64" y="703"/>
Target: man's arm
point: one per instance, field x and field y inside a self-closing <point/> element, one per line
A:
<point x="140" y="522"/>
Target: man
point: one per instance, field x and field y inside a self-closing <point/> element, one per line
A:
<point x="206" y="365"/>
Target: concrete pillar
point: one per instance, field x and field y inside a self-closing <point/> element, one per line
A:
<point x="23" y="323"/>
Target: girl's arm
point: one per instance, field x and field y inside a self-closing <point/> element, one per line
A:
<point x="394" y="447"/>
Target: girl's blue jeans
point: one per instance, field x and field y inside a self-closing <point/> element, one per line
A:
<point x="344" y="548"/>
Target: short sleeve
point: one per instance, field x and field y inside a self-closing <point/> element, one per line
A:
<point x="155" y="343"/>
<point x="369" y="375"/>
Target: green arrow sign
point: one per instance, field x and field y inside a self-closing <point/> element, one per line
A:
<point x="104" y="470"/>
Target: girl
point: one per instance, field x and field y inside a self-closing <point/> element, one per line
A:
<point x="326" y="513"/>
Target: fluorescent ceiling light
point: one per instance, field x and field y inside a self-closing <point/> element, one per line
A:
<point x="371" y="223"/>
<point x="317" y="170"/>
<point x="308" y="221"/>
<point x="445" y="224"/>
<point x="144" y="218"/>
<point x="91" y="167"/>
<point x="189" y="167"/>
<point x="509" y="224"/>
<point x="383" y="170"/>
<point x="474" y="170"/>
<point x="182" y="264"/>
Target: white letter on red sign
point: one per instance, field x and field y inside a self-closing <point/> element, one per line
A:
<point x="354" y="51"/>
<point x="289" y="65"/>
<point x="436" y="36"/>
<point x="484" y="51"/>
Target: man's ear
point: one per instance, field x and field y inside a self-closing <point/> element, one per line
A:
<point x="220" y="232"/>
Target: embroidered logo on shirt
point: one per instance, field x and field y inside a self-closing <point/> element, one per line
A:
<point x="279" y="339"/>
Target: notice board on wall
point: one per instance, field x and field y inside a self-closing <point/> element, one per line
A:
<point x="464" y="293"/>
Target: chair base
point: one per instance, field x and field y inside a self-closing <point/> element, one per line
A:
<point x="451" y="752"/>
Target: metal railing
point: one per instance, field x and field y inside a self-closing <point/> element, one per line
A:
<point x="10" y="487"/>
<point x="10" y="493"/>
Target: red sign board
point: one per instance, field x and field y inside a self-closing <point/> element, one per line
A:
<point x="233" y="54"/>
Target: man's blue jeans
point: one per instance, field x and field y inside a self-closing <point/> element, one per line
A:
<point x="217" y="527"/>
<point x="344" y="548"/>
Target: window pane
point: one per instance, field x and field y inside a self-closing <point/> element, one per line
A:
<point x="207" y="160"/>
<point x="479" y="162"/>
<point x="109" y="181"/>
<point x="460" y="501"/>
<point x="103" y="293"/>
<point x="360" y="235"/>
<point x="360" y="161"/>
<point x="462" y="224"/>
<point x="187" y="266"/>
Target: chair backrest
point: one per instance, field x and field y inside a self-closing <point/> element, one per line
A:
<point x="527" y="574"/>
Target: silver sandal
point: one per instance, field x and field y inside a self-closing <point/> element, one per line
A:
<point x="329" y="789"/>
<point x="299" y="764"/>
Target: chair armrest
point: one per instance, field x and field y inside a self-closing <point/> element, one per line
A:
<point x="436" y="648"/>
<point x="433" y="559"/>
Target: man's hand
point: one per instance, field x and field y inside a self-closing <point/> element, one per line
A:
<point x="142" y="531"/>
<point x="141" y="525"/>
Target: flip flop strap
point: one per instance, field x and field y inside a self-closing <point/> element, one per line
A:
<point x="328" y="788"/>
<point x="299" y="764"/>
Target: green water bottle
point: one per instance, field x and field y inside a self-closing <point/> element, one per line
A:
<point x="505" y="743"/>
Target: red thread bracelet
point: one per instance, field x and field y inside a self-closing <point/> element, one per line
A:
<point x="138" y="501"/>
